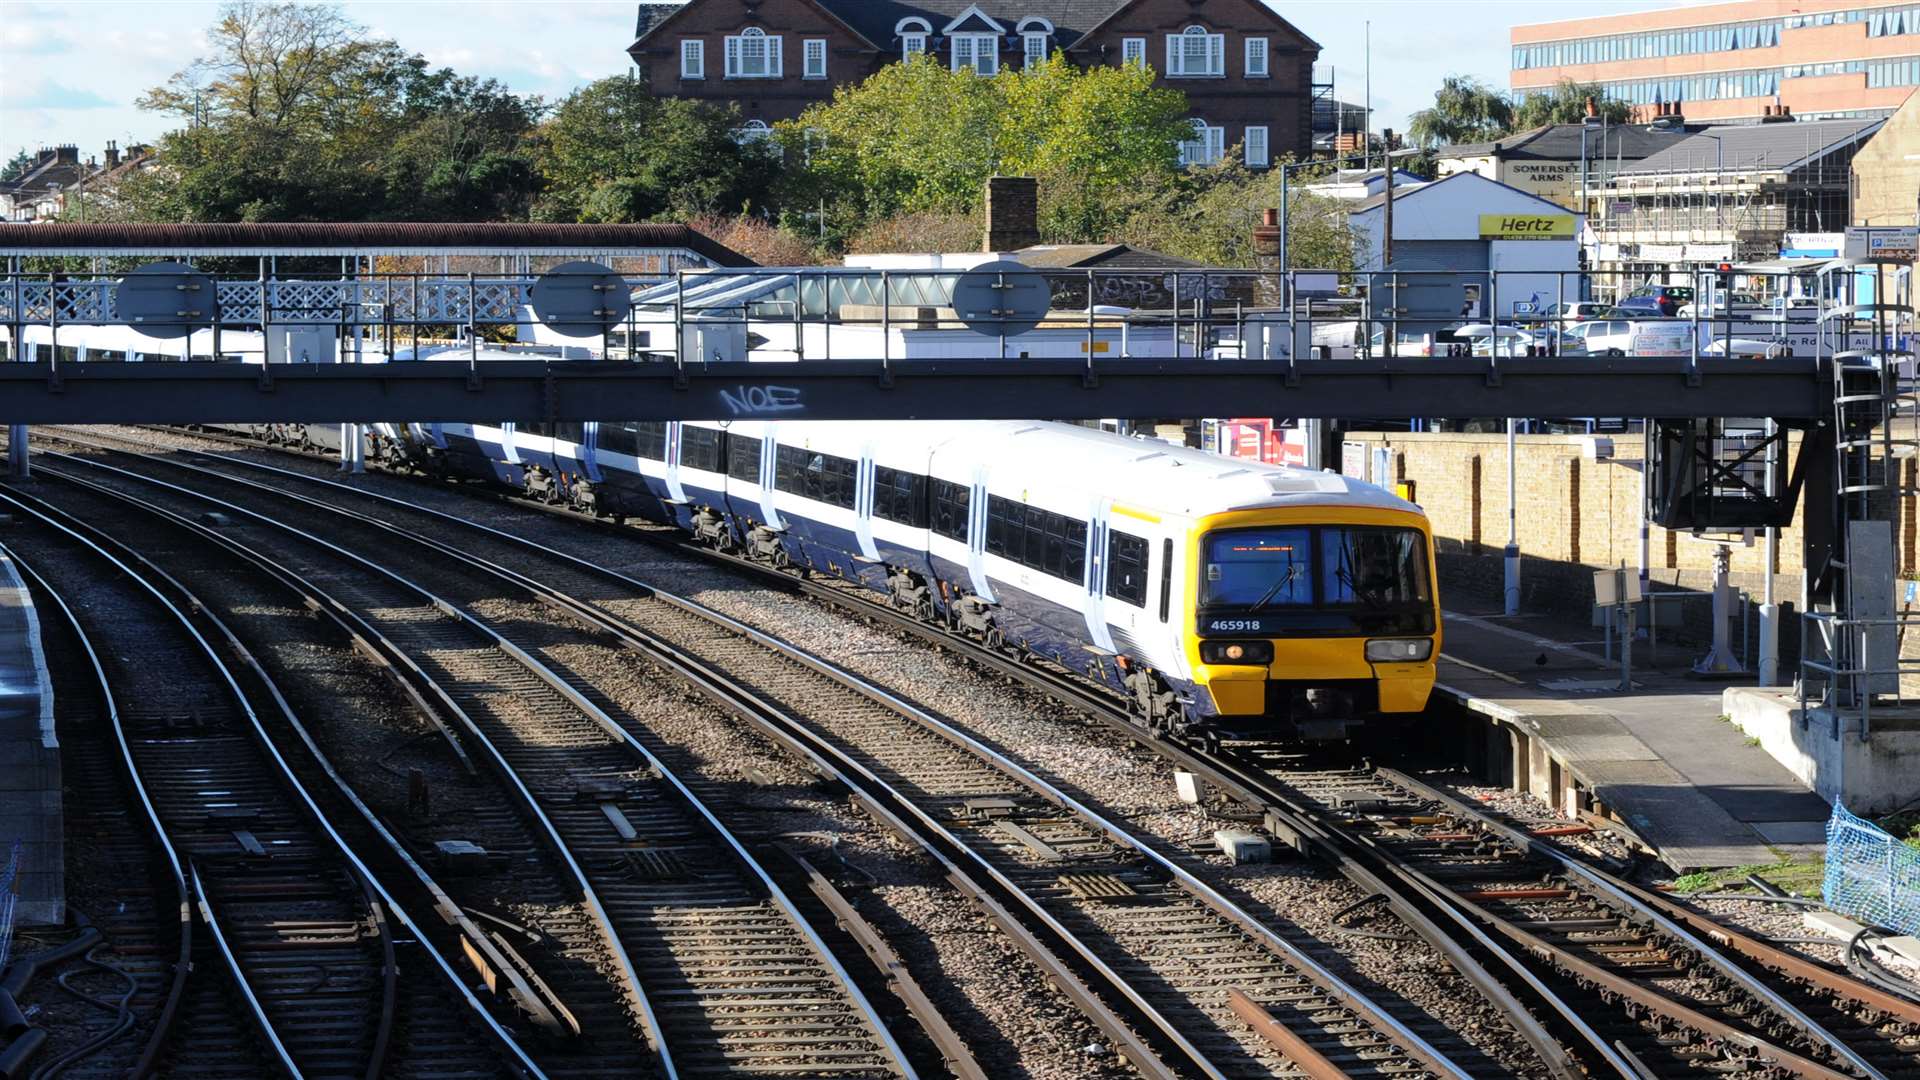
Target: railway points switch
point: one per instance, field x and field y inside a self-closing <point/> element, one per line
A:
<point x="1241" y="846"/>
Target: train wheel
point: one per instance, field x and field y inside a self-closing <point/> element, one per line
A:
<point x="781" y="560"/>
<point x="923" y="610"/>
<point x="994" y="638"/>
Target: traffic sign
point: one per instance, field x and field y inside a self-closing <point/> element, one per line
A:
<point x="1882" y="243"/>
<point x="1002" y="297"/>
<point x="580" y="299"/>
<point x="167" y="300"/>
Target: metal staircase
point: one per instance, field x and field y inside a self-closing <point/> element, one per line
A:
<point x="1852" y="630"/>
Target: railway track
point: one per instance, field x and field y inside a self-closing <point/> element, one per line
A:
<point x="736" y="980"/>
<point x="1100" y="906"/>
<point x="1661" y="990"/>
<point x="287" y="947"/>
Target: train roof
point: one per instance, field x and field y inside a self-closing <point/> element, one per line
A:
<point x="1158" y="475"/>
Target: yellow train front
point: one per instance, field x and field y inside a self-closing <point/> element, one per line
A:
<point x="1314" y="621"/>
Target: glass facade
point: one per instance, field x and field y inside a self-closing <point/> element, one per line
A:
<point x="1729" y="37"/>
<point x="1759" y="82"/>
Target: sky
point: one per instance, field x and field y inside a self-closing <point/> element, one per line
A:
<point x="70" y="70"/>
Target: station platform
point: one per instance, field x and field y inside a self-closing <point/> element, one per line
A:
<point x="1660" y="757"/>
<point x="31" y="810"/>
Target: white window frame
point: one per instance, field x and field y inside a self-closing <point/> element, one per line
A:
<point x="1212" y="46"/>
<point x="1034" y="48"/>
<point x="1133" y="50"/>
<point x="913" y="33"/>
<point x="812" y="49"/>
<point x="1206" y="147"/>
<point x="752" y="131"/>
<point x="695" y="50"/>
<point x="979" y="47"/>
<point x="1259" y="152"/>
<point x="1259" y="58"/>
<point x="736" y="54"/>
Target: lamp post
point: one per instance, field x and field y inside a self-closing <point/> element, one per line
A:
<point x="1587" y="124"/>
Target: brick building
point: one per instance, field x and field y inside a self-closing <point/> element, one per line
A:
<point x="1820" y="59"/>
<point x="1247" y="72"/>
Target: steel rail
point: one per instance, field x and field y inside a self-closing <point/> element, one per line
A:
<point x="443" y="905"/>
<point x="1681" y="927"/>
<point x="24" y="504"/>
<point x="183" y="964"/>
<point x="546" y="675"/>
<point x="839" y="764"/>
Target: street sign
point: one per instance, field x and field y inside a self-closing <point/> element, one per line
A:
<point x="1001" y="297"/>
<point x="166" y="300"/>
<point x="580" y="299"/>
<point x="1882" y="243"/>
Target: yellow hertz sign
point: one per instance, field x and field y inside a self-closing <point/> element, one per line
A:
<point x="1526" y="226"/>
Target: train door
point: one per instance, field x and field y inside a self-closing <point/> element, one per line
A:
<point x="1094" y="583"/>
<point x="589" y="455"/>
<point x="769" y="460"/>
<point x="863" y="506"/>
<point x="677" y="500"/>
<point x="977" y="537"/>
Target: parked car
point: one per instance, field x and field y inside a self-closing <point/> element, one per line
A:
<point x="1660" y="300"/>
<point x="1575" y="312"/>
<point x="1414" y="339"/>
<point x="1635" y="337"/>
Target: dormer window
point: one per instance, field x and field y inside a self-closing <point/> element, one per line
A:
<point x="1036" y="39"/>
<point x="981" y="52"/>
<point x="1194" y="53"/>
<point x="913" y="34"/>
<point x="753" y="54"/>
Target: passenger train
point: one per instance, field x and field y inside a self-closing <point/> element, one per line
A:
<point x="1227" y="599"/>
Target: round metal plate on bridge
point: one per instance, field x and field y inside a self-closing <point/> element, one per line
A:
<point x="1003" y="297"/>
<point x="580" y="299"/>
<point x="167" y="300"/>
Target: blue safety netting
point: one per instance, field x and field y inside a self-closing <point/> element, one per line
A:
<point x="1871" y="875"/>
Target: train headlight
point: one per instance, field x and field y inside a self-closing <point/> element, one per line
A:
<point x="1236" y="652"/>
<point x="1399" y="650"/>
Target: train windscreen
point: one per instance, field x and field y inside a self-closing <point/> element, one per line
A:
<point x="1316" y="580"/>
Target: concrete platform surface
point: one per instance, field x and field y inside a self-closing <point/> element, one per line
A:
<point x="31" y="811"/>
<point x="1690" y="784"/>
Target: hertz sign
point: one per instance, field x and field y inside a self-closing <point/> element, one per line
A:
<point x="1526" y="226"/>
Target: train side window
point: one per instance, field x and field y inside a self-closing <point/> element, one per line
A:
<point x="1127" y="568"/>
<point x="700" y="448"/>
<point x="949" y="504"/>
<point x="618" y="438"/>
<point x="533" y="427"/>
<point x="651" y="438"/>
<point x="67" y="353"/>
<point x="571" y="431"/>
<point x="1166" y="578"/>
<point x="790" y="470"/>
<point x="837" y="479"/>
<point x="106" y="355"/>
<point x="743" y="458"/>
<point x="900" y="496"/>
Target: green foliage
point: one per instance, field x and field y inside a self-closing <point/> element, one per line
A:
<point x="613" y="152"/>
<point x="295" y="115"/>
<point x="919" y="138"/>
<point x="1209" y="214"/>
<point x="1464" y="110"/>
<point x="16" y="166"/>
<point x="1566" y="103"/>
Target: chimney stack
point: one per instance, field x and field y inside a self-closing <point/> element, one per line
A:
<point x="1266" y="259"/>
<point x="1591" y="111"/>
<point x="68" y="152"/>
<point x="113" y="155"/>
<point x="1013" y="213"/>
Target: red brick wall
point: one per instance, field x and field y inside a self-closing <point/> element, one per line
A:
<point x="1283" y="101"/>
<point x="848" y="58"/>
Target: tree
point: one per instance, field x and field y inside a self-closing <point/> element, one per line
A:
<point x="297" y="115"/>
<point x="613" y="152"/>
<point x="1464" y="110"/>
<point x="1566" y="103"/>
<point x="17" y="166"/>
<point x="917" y="137"/>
